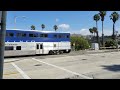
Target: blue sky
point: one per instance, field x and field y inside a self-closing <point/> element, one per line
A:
<point x="68" y="21"/>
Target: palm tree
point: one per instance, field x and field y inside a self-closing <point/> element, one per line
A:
<point x="96" y="17"/>
<point x="42" y="26"/>
<point x="95" y="31"/>
<point x="91" y="31"/>
<point x="32" y="27"/>
<point x="114" y="17"/>
<point x="55" y="27"/>
<point x="102" y="15"/>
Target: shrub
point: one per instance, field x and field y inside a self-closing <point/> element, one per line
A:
<point x="119" y="42"/>
<point x="80" y="43"/>
<point x="110" y="43"/>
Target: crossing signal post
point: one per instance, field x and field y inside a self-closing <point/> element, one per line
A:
<point x="3" y="15"/>
<point x="0" y="18"/>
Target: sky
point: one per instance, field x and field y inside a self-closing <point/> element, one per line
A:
<point x="77" y="22"/>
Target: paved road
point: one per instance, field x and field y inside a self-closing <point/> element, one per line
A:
<point x="76" y="65"/>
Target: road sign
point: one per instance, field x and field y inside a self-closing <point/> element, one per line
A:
<point x="0" y="16"/>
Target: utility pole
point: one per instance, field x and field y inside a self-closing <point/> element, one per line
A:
<point x="116" y="38"/>
<point x="2" y="40"/>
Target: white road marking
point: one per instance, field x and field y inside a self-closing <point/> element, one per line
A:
<point x="25" y="76"/>
<point x="83" y="76"/>
<point x="10" y="60"/>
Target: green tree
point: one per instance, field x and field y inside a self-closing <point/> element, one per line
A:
<point x="110" y="43"/>
<point x="102" y="15"/>
<point x="96" y="17"/>
<point x="80" y="43"/>
<point x="114" y="17"/>
<point x="55" y="27"/>
<point x="91" y="31"/>
<point x="96" y="31"/>
<point x="32" y="27"/>
<point x="118" y="42"/>
<point x="42" y="26"/>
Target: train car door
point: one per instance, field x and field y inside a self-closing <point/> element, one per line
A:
<point x="39" y="48"/>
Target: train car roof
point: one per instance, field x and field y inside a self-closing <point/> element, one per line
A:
<point x="37" y="31"/>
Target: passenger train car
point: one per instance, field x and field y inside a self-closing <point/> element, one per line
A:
<point x="32" y="42"/>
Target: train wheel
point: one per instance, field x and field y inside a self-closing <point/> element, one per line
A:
<point x="51" y="52"/>
<point x="60" y="52"/>
<point x="57" y="52"/>
<point x="68" y="51"/>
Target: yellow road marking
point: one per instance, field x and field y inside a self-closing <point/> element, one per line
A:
<point x="11" y="73"/>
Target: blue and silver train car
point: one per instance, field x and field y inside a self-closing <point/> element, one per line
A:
<point x="32" y="42"/>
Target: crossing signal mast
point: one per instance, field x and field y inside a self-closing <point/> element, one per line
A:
<point x="3" y="15"/>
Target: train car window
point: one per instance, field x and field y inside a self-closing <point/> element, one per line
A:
<point x="68" y="36"/>
<point x="41" y="35"/>
<point x="9" y="34"/>
<point x="44" y="35"/>
<point x="63" y="36"/>
<point x="31" y="35"/>
<point x="41" y="46"/>
<point x="35" y="35"/>
<point x="37" y="46"/>
<point x="60" y="36"/>
<point x="54" y="45"/>
<point x="9" y="48"/>
<point x="55" y="36"/>
<point x="23" y="35"/>
<point x="19" y="34"/>
<point x="18" y="47"/>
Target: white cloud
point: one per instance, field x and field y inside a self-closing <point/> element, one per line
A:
<point x="84" y="32"/>
<point x="56" y="19"/>
<point x="106" y="32"/>
<point x="64" y="26"/>
<point x="109" y="31"/>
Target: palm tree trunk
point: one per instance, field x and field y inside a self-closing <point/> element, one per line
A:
<point x="102" y="35"/>
<point x="113" y="31"/>
<point x="97" y="37"/>
<point x="97" y="33"/>
<point x="94" y="37"/>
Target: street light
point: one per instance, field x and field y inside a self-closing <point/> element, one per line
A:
<point x="16" y="18"/>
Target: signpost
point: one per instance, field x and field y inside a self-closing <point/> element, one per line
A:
<point x="3" y="15"/>
<point x="0" y="18"/>
<point x="0" y="15"/>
